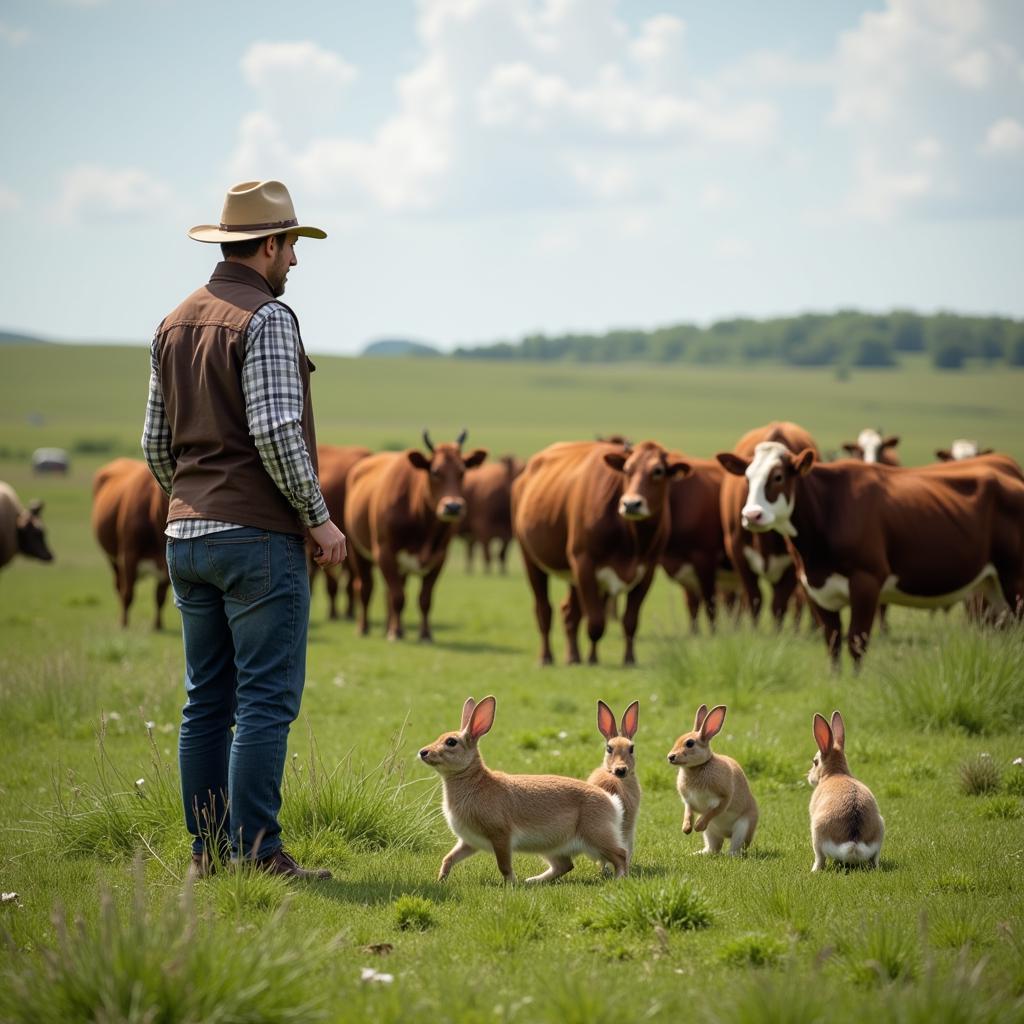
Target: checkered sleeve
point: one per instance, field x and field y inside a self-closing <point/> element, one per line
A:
<point x="156" y="432"/>
<point x="273" y="400"/>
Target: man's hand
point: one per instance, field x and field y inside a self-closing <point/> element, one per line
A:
<point x="331" y="546"/>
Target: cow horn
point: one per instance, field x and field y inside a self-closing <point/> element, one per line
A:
<point x="426" y="440"/>
<point x="460" y="440"/>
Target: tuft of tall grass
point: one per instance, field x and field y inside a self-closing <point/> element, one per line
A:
<point x="885" y="948"/>
<point x="414" y="913"/>
<point x="241" y="888"/>
<point x="517" y="919"/>
<point x="643" y="904"/>
<point x="165" y="964"/>
<point x="754" y="949"/>
<point x="54" y="689"/>
<point x="947" y="994"/>
<point x="980" y="774"/>
<point x="772" y="998"/>
<point x="953" y="926"/>
<point x="971" y="683"/>
<point x="1002" y="808"/>
<point x="369" y="808"/>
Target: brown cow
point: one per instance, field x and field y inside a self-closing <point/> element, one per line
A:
<point x="760" y="555"/>
<point x="870" y="446"/>
<point x="401" y="512"/>
<point x="129" y="515"/>
<point x="961" y="448"/>
<point x="598" y="517"/>
<point x="21" y="529"/>
<point x="926" y="537"/>
<point x="488" y="492"/>
<point x="694" y="554"/>
<point x="335" y="461"/>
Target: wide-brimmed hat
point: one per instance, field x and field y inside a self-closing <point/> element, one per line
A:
<point x="254" y="209"/>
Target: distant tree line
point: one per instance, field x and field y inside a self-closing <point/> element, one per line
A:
<point x="845" y="338"/>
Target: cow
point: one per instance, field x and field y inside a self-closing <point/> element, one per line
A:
<point x="755" y="555"/>
<point x="21" y="529"/>
<point x="598" y="517"/>
<point x="961" y="448"/>
<point x="334" y="463"/>
<point x="488" y="518"/>
<point x="401" y="511"/>
<point x="926" y="536"/>
<point x="694" y="554"/>
<point x="129" y="516"/>
<point x="870" y="446"/>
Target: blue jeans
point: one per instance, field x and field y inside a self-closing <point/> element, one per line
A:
<point x="244" y="601"/>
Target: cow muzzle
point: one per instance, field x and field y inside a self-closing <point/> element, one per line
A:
<point x="757" y="519"/>
<point x="632" y="506"/>
<point x="450" y="509"/>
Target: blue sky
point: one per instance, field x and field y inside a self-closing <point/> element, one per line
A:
<point x="489" y="168"/>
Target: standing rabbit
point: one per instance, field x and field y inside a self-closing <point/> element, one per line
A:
<point x="714" y="786"/>
<point x="618" y="773"/>
<point x="845" y="823"/>
<point x="552" y="815"/>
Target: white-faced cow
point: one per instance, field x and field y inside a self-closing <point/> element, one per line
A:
<point x="926" y="537"/>
<point x="694" y="554"/>
<point x="335" y="462"/>
<point x="488" y="518"/>
<point x="21" y="529"/>
<point x="870" y="446"/>
<point x="401" y="512"/>
<point x="760" y="555"/>
<point x="961" y="448"/>
<point x="129" y="516"/>
<point x="597" y="516"/>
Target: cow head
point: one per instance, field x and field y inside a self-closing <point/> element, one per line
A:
<point x="31" y="535"/>
<point x="961" y="448"/>
<point x="870" y="445"/>
<point x="771" y="480"/>
<point x="648" y="471"/>
<point x="445" y="467"/>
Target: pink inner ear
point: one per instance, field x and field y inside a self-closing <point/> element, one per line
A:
<point x="822" y="734"/>
<point x="606" y="721"/>
<point x="483" y="718"/>
<point x="630" y="720"/>
<point x="712" y="723"/>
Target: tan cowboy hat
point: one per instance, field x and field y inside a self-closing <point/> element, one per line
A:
<point x="254" y="209"/>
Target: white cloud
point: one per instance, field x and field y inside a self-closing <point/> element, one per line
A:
<point x="1005" y="136"/>
<point x="271" y="66"/>
<point x="732" y="250"/>
<point x="9" y="199"/>
<point x="716" y="197"/>
<point x="13" y="36"/>
<point x="882" y="192"/>
<point x="928" y="148"/>
<point x="973" y="70"/>
<point x="91" y="193"/>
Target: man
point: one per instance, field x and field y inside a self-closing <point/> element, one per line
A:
<point x="229" y="435"/>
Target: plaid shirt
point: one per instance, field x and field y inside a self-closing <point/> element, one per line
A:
<point x="273" y="403"/>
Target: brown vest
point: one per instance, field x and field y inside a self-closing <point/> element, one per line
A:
<point x="200" y="348"/>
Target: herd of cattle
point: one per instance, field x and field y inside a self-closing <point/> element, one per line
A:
<point x="604" y="515"/>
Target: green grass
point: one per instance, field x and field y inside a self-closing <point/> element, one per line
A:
<point x="936" y="934"/>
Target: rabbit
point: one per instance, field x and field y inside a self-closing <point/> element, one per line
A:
<point x="714" y="786"/>
<point x="618" y="773"/>
<point x="552" y="815"/>
<point x="845" y="823"/>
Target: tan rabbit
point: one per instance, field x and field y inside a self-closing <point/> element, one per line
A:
<point x="618" y="773"/>
<point x="845" y="823"/>
<point x="714" y="786"/>
<point x="552" y="815"/>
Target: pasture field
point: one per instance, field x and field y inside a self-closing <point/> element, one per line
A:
<point x="89" y="715"/>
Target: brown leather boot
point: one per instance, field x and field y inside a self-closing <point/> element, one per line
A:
<point x="282" y="863"/>
<point x="201" y="866"/>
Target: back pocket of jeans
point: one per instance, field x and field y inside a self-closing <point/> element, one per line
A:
<point x="241" y="566"/>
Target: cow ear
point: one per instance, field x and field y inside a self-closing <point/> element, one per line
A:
<point x="36" y="506"/>
<point x="822" y="734"/>
<point x="679" y="470"/>
<point x="944" y="454"/>
<point x="713" y="723"/>
<point x="631" y="720"/>
<point x="850" y="448"/>
<point x="419" y="460"/>
<point x="606" y="721"/>
<point x="838" y="731"/>
<point x="985" y="451"/>
<point x="733" y="463"/>
<point x="482" y="719"/>
<point x="698" y="721"/>
<point x="474" y="459"/>
<point x="891" y="441"/>
<point x="804" y="462"/>
<point x="616" y="460"/>
<point x="467" y="710"/>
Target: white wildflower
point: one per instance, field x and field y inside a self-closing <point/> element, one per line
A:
<point x="369" y="976"/>
<point x="563" y="735"/>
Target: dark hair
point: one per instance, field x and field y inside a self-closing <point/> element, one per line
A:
<point x="247" y="247"/>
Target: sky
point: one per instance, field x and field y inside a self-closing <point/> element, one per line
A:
<point x="487" y="169"/>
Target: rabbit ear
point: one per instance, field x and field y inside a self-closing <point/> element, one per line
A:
<point x="606" y="721"/>
<point x="467" y="710"/>
<point x="838" y="731"/>
<point x="482" y="719"/>
<point x="630" y="720"/>
<point x="713" y="723"/>
<point x="702" y="713"/>
<point x="822" y="734"/>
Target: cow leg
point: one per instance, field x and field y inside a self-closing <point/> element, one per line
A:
<point x="395" y="583"/>
<point x="883" y="619"/>
<point x="350" y="592"/>
<point x="426" y="595"/>
<point x="572" y="612"/>
<point x="749" y="582"/>
<point x="631" y="617"/>
<point x="363" y="570"/>
<point x="593" y="602"/>
<point x="163" y="583"/>
<point x="693" y="607"/>
<point x="331" y="582"/>
<point x="541" y="606"/>
<point x="126" y="589"/>
<point x="832" y="631"/>
<point x="469" y="553"/>
<point x="782" y="592"/>
<point x="706" y="579"/>
<point x="864" y="590"/>
<point x="503" y="556"/>
<point x="485" y="547"/>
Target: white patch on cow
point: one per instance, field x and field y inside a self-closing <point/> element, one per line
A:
<point x="687" y="576"/>
<point x="832" y="595"/>
<point x="612" y="583"/>
<point x="870" y="442"/>
<point x="754" y="560"/>
<point x="777" y="565"/>
<point x="987" y="578"/>
<point x="759" y="515"/>
<point x="961" y="448"/>
<point x="408" y="563"/>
